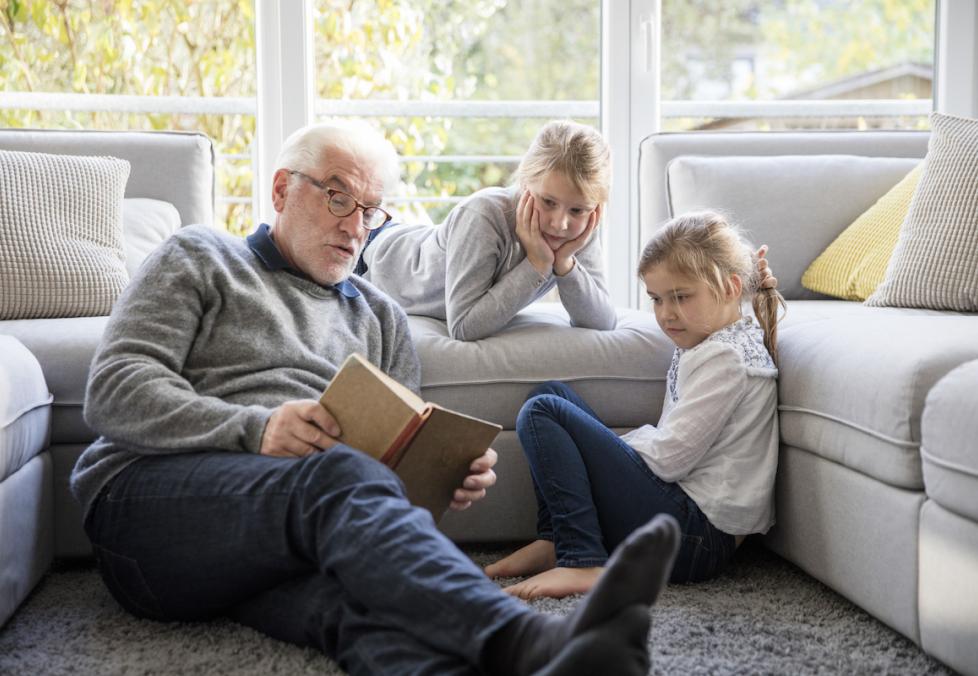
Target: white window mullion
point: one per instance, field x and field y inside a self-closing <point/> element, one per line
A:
<point x="286" y="86"/>
<point x="957" y="57"/>
<point x="630" y="105"/>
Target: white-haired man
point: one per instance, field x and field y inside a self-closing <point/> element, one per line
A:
<point x="217" y="486"/>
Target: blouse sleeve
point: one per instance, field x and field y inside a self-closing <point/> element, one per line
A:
<point x="712" y="382"/>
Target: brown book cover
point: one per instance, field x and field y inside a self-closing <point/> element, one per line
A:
<point x="430" y="447"/>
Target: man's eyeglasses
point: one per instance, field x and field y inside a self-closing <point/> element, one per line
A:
<point x="342" y="204"/>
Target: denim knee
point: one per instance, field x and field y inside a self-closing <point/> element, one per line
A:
<point x="548" y="387"/>
<point x="342" y="467"/>
<point x="536" y="405"/>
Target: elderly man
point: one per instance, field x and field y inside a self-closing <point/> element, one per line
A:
<point x="217" y="486"/>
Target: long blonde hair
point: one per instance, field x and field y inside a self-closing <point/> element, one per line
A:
<point x="705" y="246"/>
<point x="577" y="151"/>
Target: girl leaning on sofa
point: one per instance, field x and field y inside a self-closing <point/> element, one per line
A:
<point x="505" y="247"/>
<point x="711" y="459"/>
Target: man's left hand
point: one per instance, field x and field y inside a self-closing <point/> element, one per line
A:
<point x="475" y="484"/>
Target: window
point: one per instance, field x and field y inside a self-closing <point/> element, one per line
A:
<point x="797" y="64"/>
<point x="459" y="87"/>
<point x="165" y="64"/>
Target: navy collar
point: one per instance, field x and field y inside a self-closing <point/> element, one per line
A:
<point x="263" y="246"/>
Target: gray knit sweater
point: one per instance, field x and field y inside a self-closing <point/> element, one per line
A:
<point x="208" y="339"/>
<point x="473" y="272"/>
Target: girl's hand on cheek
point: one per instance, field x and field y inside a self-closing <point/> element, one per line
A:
<point x="538" y="252"/>
<point x="564" y="256"/>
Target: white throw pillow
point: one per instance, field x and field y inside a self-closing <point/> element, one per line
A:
<point x="935" y="263"/>
<point x="61" y="252"/>
<point x="146" y="223"/>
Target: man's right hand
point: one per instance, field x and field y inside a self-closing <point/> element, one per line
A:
<point x="299" y="428"/>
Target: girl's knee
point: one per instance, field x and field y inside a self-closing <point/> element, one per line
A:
<point x="549" y="387"/>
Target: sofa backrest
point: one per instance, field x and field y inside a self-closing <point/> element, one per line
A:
<point x="175" y="167"/>
<point x="795" y="191"/>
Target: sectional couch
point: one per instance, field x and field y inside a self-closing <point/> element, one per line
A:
<point x="878" y="468"/>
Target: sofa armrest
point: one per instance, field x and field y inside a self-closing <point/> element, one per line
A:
<point x="949" y="441"/>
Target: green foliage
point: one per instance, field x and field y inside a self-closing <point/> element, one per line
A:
<point x="434" y="50"/>
<point x="818" y="41"/>
<point x="429" y="50"/>
<point x="144" y="47"/>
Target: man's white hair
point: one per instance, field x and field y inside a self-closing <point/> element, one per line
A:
<point x="304" y="148"/>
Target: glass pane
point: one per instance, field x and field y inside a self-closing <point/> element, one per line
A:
<point x="453" y="51"/>
<point x="832" y="52"/>
<point x="145" y="48"/>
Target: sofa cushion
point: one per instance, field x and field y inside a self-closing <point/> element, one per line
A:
<point x="61" y="252"/>
<point x="25" y="407"/>
<point x="853" y="381"/>
<point x="64" y="348"/>
<point x="621" y="373"/>
<point x="855" y="263"/>
<point x="948" y="449"/>
<point x="782" y="200"/>
<point x="146" y="223"/>
<point x="935" y="263"/>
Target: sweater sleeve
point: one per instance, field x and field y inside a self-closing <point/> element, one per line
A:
<point x="712" y="381"/>
<point x="476" y="303"/>
<point x="136" y="394"/>
<point x="583" y="291"/>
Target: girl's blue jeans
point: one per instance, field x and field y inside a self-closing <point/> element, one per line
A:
<point x="323" y="551"/>
<point x="593" y="489"/>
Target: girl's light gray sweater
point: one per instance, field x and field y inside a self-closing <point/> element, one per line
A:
<point x="208" y="339"/>
<point x="472" y="270"/>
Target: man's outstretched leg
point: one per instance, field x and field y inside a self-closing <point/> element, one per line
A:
<point x="612" y="620"/>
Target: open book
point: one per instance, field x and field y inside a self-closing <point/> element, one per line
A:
<point x="429" y="447"/>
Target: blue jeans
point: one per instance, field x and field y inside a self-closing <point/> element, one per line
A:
<point x="324" y="552"/>
<point x="593" y="489"/>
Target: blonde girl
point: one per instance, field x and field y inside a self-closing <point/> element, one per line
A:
<point x="711" y="459"/>
<point x="503" y="248"/>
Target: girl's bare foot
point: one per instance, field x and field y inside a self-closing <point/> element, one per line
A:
<point x="534" y="558"/>
<point x="556" y="583"/>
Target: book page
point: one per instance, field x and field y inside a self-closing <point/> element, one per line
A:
<point x="438" y="459"/>
<point x="371" y="408"/>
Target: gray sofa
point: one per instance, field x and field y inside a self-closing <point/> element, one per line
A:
<point x="877" y="489"/>
<point x="38" y="517"/>
<point x="878" y="465"/>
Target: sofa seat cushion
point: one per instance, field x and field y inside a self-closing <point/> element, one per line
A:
<point x="620" y="373"/>
<point x="64" y="348"/>
<point x="25" y="407"/>
<point x="854" y="378"/>
<point x="949" y="449"/>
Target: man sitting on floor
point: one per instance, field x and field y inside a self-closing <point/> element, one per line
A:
<point x="218" y="488"/>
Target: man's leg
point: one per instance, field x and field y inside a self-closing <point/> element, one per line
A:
<point x="192" y="536"/>
<point x="196" y="535"/>
<point x="315" y="611"/>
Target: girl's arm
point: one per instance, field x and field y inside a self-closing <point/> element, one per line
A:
<point x="476" y="303"/>
<point x="583" y="291"/>
<point x="713" y="381"/>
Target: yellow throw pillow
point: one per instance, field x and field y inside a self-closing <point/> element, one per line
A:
<point x="854" y="264"/>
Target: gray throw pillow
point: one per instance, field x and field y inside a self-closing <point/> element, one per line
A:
<point x="935" y="262"/>
<point x="61" y="248"/>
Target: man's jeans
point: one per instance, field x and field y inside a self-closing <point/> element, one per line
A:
<point x="324" y="551"/>
<point x="593" y="489"/>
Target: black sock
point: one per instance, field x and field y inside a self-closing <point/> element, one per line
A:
<point x="636" y="572"/>
<point x="619" y="646"/>
<point x="611" y="614"/>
